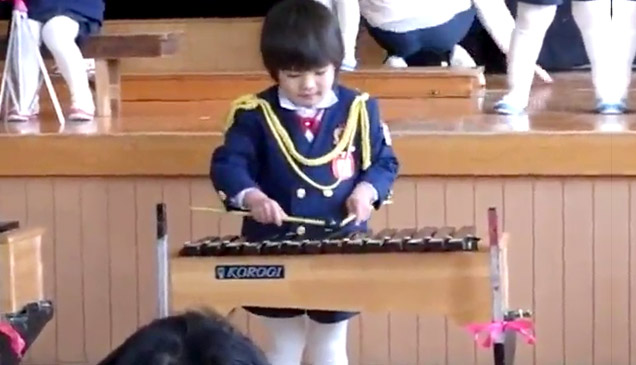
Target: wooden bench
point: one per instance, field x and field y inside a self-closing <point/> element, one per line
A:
<point x="108" y="50"/>
<point x="20" y="268"/>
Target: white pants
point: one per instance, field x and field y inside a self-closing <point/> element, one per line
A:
<point x="325" y="344"/>
<point x="58" y="34"/>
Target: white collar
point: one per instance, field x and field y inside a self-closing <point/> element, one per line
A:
<point x="329" y="100"/>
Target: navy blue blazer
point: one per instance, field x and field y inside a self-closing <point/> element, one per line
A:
<point x="250" y="157"/>
<point x="43" y="9"/>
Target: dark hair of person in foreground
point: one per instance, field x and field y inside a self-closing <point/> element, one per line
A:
<point x="191" y="338"/>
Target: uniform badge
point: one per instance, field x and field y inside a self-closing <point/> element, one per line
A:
<point x="343" y="166"/>
<point x="337" y="134"/>
<point x="387" y="134"/>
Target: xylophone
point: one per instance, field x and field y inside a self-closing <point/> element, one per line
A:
<point x="440" y="270"/>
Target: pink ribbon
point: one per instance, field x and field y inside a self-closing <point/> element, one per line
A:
<point x="17" y="342"/>
<point x="494" y="329"/>
<point x="20" y="5"/>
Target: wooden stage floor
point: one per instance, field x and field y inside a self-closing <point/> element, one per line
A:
<point x="565" y="106"/>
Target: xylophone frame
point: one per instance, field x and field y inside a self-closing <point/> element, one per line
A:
<point x="504" y="345"/>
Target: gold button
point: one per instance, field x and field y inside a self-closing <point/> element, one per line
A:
<point x="222" y="195"/>
<point x="300" y="230"/>
<point x="328" y="193"/>
<point x="300" y="193"/>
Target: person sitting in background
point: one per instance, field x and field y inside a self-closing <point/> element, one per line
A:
<point x="428" y="32"/>
<point x="61" y="25"/>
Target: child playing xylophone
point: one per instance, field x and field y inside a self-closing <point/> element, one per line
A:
<point x="308" y="147"/>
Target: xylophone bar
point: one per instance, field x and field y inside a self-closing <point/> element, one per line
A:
<point x="427" y="239"/>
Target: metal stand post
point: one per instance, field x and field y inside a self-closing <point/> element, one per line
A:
<point x="163" y="283"/>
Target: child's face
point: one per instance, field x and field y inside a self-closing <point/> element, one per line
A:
<point x="307" y="88"/>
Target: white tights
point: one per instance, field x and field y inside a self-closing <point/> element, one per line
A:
<point x="58" y="34"/>
<point x="624" y="41"/>
<point x="326" y="344"/>
<point x="594" y="22"/>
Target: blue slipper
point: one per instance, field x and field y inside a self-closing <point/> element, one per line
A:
<point x="611" y="108"/>
<point x="505" y="108"/>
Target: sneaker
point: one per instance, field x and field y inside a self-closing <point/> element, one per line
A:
<point x="79" y="115"/>
<point x="461" y="58"/>
<point x="505" y="107"/>
<point x="395" y="62"/>
<point x="15" y="116"/>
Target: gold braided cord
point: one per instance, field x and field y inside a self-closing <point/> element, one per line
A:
<point x="357" y="112"/>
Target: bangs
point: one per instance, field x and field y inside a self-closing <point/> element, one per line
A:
<point x="301" y="53"/>
<point x="300" y="35"/>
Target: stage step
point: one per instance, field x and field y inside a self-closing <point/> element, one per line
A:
<point x="415" y="82"/>
<point x="404" y="94"/>
<point x="391" y="109"/>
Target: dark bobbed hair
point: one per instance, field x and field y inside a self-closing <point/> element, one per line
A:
<point x="300" y="35"/>
<point x="191" y="338"/>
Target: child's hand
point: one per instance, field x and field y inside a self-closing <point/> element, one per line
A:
<point x="360" y="201"/>
<point x="264" y="210"/>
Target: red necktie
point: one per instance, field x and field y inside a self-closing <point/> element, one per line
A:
<point x="310" y="124"/>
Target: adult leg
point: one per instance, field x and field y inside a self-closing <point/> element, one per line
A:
<point x="624" y="40"/>
<point x="533" y="19"/>
<point x="59" y="35"/>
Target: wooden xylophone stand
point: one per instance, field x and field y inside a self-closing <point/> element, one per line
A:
<point x="21" y="279"/>
<point x="23" y="310"/>
<point x="466" y="286"/>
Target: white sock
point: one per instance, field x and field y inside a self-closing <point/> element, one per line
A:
<point x="327" y="343"/>
<point x="593" y="19"/>
<point x="624" y="39"/>
<point x="59" y="34"/>
<point x="527" y="39"/>
<point x="287" y="339"/>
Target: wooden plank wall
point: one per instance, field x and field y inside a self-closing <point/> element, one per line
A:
<point x="570" y="262"/>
